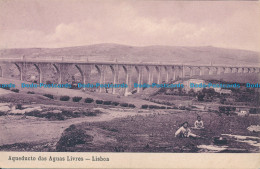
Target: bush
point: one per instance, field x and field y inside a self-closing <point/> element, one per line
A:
<point x="89" y="100"/>
<point x="91" y="113"/>
<point x="54" y="116"/>
<point x="145" y="106"/>
<point x="15" y="90"/>
<point x="19" y="106"/>
<point x="131" y="105"/>
<point x="50" y="96"/>
<point x="2" y="113"/>
<point x="72" y="137"/>
<point x="153" y="107"/>
<point x="30" y="92"/>
<point x="64" y="98"/>
<point x="124" y="104"/>
<point x="254" y="110"/>
<point x="115" y="103"/>
<point x="163" y="107"/>
<point x="34" y="113"/>
<point x="76" y="99"/>
<point x="99" y="101"/>
<point x="107" y="102"/>
<point x="70" y="113"/>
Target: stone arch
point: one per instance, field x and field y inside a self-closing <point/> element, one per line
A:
<point x="165" y="74"/>
<point x="158" y="72"/>
<point x="187" y="71"/>
<point x="206" y="70"/>
<point x="228" y="70"/>
<point x="196" y="71"/>
<point x="252" y="70"/>
<point x="213" y="70"/>
<point x="20" y="71"/>
<point x="234" y="70"/>
<point x="81" y="73"/>
<point x="57" y="72"/>
<point x="147" y="79"/>
<point x="39" y="72"/>
<point x="221" y="70"/>
<point x="177" y="72"/>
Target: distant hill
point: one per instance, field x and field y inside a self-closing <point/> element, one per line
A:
<point x="163" y="54"/>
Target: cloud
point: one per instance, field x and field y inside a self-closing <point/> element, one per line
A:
<point x="132" y="24"/>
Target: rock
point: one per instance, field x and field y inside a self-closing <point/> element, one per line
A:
<point x="4" y="104"/>
<point x="28" y="110"/>
<point x="56" y="111"/>
<point x="255" y="128"/>
<point x="17" y="111"/>
<point x="5" y="109"/>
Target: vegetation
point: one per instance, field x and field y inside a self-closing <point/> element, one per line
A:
<point x="64" y="98"/>
<point x="49" y="96"/>
<point x="76" y="99"/>
<point x="99" y="101"/>
<point x="89" y="100"/>
<point x="15" y="90"/>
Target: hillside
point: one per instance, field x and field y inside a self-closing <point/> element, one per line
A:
<point x="164" y="54"/>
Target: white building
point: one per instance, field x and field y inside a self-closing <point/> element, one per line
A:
<point x="198" y="84"/>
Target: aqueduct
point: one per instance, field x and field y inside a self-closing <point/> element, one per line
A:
<point x="144" y="72"/>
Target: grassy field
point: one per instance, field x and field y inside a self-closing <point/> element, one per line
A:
<point x="155" y="133"/>
<point x="149" y="133"/>
<point x="150" y="130"/>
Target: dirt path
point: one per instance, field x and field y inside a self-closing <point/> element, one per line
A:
<point x="15" y="129"/>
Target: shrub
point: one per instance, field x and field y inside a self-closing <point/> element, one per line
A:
<point x="54" y="116"/>
<point x="131" y="105"/>
<point x="34" y="113"/>
<point x="163" y="107"/>
<point x="153" y="107"/>
<point x="64" y="98"/>
<point x="182" y="107"/>
<point x="89" y="100"/>
<point x="76" y="99"/>
<point x="50" y="96"/>
<point x="15" y="90"/>
<point x="30" y="92"/>
<point x="254" y="110"/>
<point x="68" y="113"/>
<point x="145" y="106"/>
<point x="2" y="113"/>
<point x="72" y="137"/>
<point x="99" y="101"/>
<point x="124" y="104"/>
<point x="19" y="106"/>
<point x="107" y="102"/>
<point x="91" y="113"/>
<point x="115" y="103"/>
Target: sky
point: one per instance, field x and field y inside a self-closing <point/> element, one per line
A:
<point x="63" y="23"/>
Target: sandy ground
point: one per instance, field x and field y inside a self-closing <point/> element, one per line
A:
<point x="3" y="91"/>
<point x="16" y="129"/>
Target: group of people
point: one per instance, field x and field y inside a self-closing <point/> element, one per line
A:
<point x="184" y="131"/>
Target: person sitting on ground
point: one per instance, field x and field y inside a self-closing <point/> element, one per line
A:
<point x="199" y="123"/>
<point x="185" y="132"/>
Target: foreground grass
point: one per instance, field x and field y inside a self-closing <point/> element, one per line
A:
<point x="155" y="133"/>
<point x="147" y="133"/>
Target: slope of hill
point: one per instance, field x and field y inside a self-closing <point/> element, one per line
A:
<point x="163" y="54"/>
